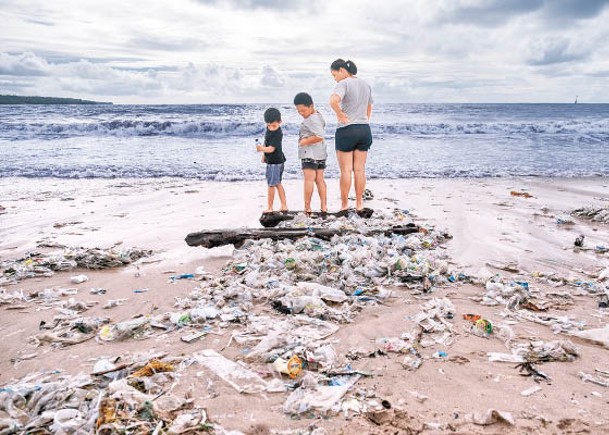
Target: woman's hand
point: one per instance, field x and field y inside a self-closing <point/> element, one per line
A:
<point x="342" y="118"/>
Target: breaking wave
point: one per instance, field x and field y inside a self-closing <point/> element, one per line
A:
<point x="224" y="129"/>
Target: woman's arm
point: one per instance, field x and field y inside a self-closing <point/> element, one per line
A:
<point x="335" y="105"/>
<point x="369" y="111"/>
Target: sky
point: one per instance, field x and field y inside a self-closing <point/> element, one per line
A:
<point x="248" y="51"/>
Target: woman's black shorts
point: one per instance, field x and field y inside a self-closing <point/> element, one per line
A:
<point x="353" y="137"/>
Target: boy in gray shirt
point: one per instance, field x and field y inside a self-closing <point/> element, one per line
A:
<point x="312" y="150"/>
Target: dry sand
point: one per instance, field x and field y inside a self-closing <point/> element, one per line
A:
<point x="487" y="223"/>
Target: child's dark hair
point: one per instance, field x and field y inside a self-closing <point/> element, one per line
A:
<point x="272" y="115"/>
<point x="348" y="65"/>
<point x="304" y="99"/>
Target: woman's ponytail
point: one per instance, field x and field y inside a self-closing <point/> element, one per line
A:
<point x="348" y="65"/>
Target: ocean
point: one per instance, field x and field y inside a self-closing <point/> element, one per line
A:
<point x="217" y="142"/>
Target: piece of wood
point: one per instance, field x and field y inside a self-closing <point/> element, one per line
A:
<point x="214" y="238"/>
<point x="269" y="220"/>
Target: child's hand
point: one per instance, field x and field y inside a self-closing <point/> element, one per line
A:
<point x="263" y="159"/>
<point x="259" y="148"/>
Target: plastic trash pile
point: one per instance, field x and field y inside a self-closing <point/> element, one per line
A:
<point x="36" y="264"/>
<point x="116" y="398"/>
<point x="594" y="214"/>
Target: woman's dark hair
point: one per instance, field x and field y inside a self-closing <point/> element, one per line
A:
<point x="304" y="99"/>
<point x="348" y="65"/>
<point x="272" y="115"/>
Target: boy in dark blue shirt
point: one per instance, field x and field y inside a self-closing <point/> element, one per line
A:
<point x="274" y="158"/>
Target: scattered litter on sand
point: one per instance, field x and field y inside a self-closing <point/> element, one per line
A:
<point x="280" y="305"/>
<point x="36" y="264"/>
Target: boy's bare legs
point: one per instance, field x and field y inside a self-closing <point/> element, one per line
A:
<point x="322" y="189"/>
<point x="309" y="180"/>
<point x="270" y="198"/>
<point x="359" y="169"/>
<point x="281" y="192"/>
<point x="345" y="163"/>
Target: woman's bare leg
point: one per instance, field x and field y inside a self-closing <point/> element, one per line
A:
<point x="345" y="163"/>
<point x="359" y="169"/>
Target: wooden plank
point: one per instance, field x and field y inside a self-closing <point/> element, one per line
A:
<point x="214" y="238"/>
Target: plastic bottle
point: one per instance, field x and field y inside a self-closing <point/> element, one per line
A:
<point x="291" y="367"/>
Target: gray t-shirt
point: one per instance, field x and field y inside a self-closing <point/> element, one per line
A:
<point x="314" y="125"/>
<point x="355" y="96"/>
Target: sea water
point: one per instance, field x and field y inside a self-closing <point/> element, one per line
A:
<point x="217" y="142"/>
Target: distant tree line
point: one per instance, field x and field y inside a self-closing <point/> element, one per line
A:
<point x="16" y="99"/>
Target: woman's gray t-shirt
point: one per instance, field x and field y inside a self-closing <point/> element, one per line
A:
<point x="355" y="96"/>
<point x="314" y="125"/>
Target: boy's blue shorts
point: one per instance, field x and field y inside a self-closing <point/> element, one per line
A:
<point x="274" y="174"/>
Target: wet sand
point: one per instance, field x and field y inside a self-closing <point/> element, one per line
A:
<point x="490" y="227"/>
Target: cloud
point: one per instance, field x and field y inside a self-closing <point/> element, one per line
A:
<point x="201" y="51"/>
<point x="271" y="78"/>
<point x="24" y="64"/>
<point x="574" y="9"/>
<point x="165" y="43"/>
<point x="486" y="13"/>
<point x="553" y="51"/>
<point x="258" y="4"/>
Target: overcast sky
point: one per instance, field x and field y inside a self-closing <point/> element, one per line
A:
<point x="231" y="51"/>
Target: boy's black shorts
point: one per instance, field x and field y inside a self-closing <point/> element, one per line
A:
<point x="353" y="137"/>
<point x="313" y="164"/>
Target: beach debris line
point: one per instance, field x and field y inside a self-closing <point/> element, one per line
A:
<point x="594" y="214"/>
<point x="36" y="264"/>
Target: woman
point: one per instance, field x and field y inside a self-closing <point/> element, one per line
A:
<point x="352" y="103"/>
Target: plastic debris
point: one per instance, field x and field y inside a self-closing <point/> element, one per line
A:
<point x="291" y="367"/>
<point x="124" y="330"/>
<point x="240" y="378"/>
<point x="36" y="264"/>
<point x="79" y="279"/>
<point x="314" y="397"/>
<point x="153" y="366"/>
<point x="594" y="379"/>
<point x="599" y="336"/>
<point x="492" y="416"/>
<point x="594" y="214"/>
<point x="530" y="391"/>
<point x="521" y="194"/>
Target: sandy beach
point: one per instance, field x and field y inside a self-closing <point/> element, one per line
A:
<point x="495" y="229"/>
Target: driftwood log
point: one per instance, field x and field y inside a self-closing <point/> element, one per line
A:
<point x="268" y="220"/>
<point x="214" y="238"/>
